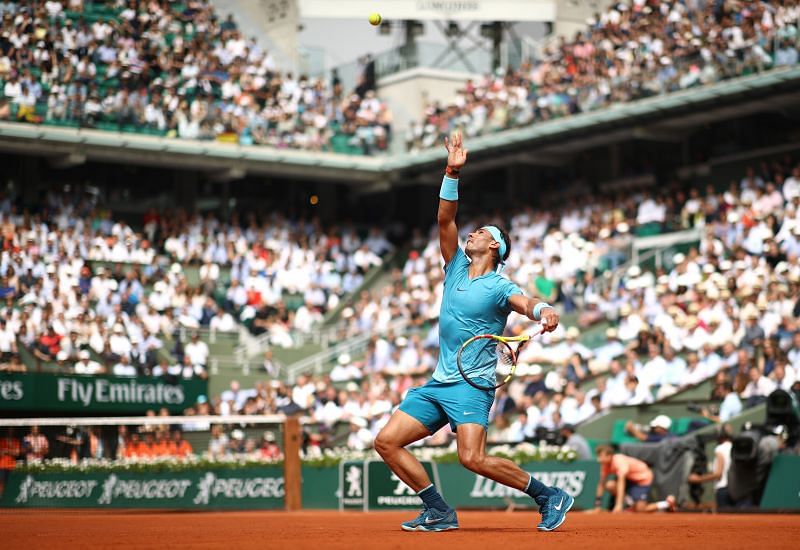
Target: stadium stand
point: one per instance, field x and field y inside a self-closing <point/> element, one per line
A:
<point x="631" y="51"/>
<point x="172" y="69"/>
<point x="86" y="293"/>
<point x="78" y="283"/>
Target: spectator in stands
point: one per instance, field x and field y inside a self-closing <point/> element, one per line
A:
<point x="86" y="366"/>
<point x="269" y="450"/>
<point x="219" y="442"/>
<point x="730" y="406"/>
<point x="360" y="437"/>
<point x="35" y="446"/>
<point x="196" y="351"/>
<point x="758" y="387"/>
<point x="576" y="442"/>
<point x="10" y="451"/>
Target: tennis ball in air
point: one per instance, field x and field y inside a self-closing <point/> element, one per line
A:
<point x="375" y="19"/>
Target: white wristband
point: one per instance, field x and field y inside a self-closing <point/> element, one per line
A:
<point x="537" y="310"/>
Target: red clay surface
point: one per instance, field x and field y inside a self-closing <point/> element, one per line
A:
<point x="354" y="530"/>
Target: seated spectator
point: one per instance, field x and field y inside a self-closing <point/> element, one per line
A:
<point x="35" y="446"/>
<point x="178" y="446"/>
<point x="86" y="366"/>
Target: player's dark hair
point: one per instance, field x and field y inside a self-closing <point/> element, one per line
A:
<point x="604" y="449"/>
<point x="497" y="258"/>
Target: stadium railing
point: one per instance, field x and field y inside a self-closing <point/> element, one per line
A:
<point x="317" y="362"/>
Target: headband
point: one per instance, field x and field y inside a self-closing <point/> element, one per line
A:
<point x="496" y="235"/>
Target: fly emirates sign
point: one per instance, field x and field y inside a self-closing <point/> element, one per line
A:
<point x="87" y="393"/>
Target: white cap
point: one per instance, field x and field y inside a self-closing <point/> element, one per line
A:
<point x="344" y="359"/>
<point x="83" y="354"/>
<point x="573" y="332"/>
<point x="358" y="421"/>
<point x="661" y="421"/>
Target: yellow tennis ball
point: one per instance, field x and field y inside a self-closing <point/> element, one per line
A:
<point x="375" y="19"/>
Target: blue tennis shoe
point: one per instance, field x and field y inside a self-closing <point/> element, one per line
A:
<point x="554" y="510"/>
<point x="431" y="519"/>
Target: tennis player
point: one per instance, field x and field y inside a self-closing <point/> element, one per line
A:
<point x="477" y="300"/>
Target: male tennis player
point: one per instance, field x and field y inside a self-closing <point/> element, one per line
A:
<point x="477" y="300"/>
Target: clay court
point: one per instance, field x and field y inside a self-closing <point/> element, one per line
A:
<point x="351" y="530"/>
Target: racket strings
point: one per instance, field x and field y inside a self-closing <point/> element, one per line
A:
<point x="484" y="353"/>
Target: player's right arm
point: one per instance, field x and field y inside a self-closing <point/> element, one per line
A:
<point x="448" y="197"/>
<point x="601" y="488"/>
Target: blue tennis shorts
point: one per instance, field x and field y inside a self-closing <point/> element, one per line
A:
<point x="637" y="492"/>
<point x="437" y="403"/>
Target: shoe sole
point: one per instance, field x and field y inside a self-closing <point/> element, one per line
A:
<point x="424" y="529"/>
<point x="563" y="517"/>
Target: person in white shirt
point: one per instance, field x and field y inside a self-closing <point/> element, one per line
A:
<point x="719" y="469"/>
<point x="759" y="386"/>
<point x="696" y="371"/>
<point x="783" y="376"/>
<point x="124" y="367"/>
<point x="638" y="393"/>
<point x="345" y="370"/>
<point x="653" y="370"/>
<point x="197" y="350"/>
<point x="360" y="437"/>
<point x="86" y="366"/>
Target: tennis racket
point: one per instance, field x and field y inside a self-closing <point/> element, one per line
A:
<point x="481" y="354"/>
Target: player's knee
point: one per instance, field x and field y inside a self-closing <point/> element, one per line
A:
<point x="611" y="486"/>
<point x="472" y="460"/>
<point x="383" y="444"/>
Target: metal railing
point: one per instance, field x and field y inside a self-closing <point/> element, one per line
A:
<point x="315" y="363"/>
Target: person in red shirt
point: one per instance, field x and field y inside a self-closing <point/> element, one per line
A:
<point x="269" y="449"/>
<point x="632" y="483"/>
<point x="10" y="449"/>
<point x="179" y="446"/>
<point x="48" y="345"/>
<point x="161" y="446"/>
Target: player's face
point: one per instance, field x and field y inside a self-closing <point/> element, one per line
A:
<point x="479" y="241"/>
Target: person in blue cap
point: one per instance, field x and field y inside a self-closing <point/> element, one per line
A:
<point x="476" y="300"/>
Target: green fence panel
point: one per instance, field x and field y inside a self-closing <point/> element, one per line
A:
<point x="320" y="487"/>
<point x="783" y="485"/>
<point x="465" y="489"/>
<point x="250" y="488"/>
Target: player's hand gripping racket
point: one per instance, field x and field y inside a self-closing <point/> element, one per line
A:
<point x="488" y="356"/>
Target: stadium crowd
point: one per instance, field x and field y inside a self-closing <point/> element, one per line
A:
<point x="635" y="49"/>
<point x="88" y="294"/>
<point x="726" y="311"/>
<point x="154" y="67"/>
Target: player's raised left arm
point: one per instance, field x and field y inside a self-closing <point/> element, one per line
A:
<point x="448" y="197"/>
<point x="535" y="309"/>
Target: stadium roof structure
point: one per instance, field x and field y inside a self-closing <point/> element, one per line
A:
<point x="541" y="143"/>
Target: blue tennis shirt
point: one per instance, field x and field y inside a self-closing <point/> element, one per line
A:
<point x="470" y="307"/>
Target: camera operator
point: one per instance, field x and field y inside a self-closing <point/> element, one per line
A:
<point x="731" y="404"/>
<point x="719" y="469"/>
<point x="659" y="429"/>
